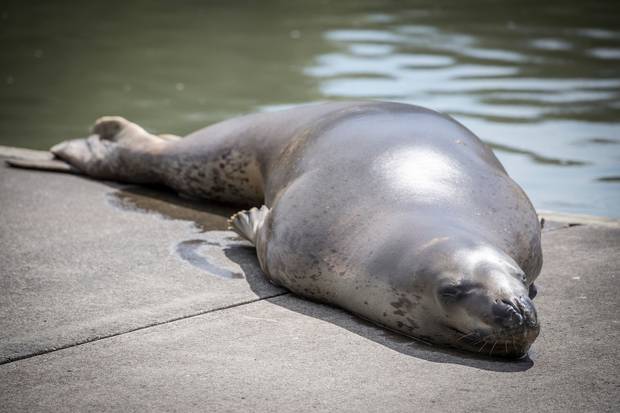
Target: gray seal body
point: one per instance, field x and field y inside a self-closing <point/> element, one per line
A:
<point x="391" y="211"/>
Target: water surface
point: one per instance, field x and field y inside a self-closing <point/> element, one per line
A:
<point x="538" y="81"/>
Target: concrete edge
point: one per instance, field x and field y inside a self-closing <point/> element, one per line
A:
<point x="578" y="219"/>
<point x="562" y="217"/>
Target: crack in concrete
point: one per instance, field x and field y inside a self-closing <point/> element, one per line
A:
<point x="144" y="327"/>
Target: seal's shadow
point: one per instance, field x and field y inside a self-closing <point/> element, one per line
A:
<point x="245" y="257"/>
<point x="208" y="217"/>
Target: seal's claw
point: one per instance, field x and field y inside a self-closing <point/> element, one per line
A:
<point x="248" y="223"/>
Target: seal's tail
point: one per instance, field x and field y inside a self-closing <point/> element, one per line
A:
<point x="248" y="223"/>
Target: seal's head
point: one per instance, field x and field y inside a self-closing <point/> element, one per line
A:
<point x="454" y="287"/>
<point x="484" y="305"/>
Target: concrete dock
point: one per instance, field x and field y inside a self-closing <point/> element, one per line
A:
<point x="122" y="298"/>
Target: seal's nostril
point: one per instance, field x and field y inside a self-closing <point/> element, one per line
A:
<point x="516" y="316"/>
<point x="508" y="314"/>
<point x="526" y="306"/>
<point x="515" y="313"/>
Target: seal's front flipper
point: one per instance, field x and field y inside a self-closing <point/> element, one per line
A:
<point x="55" y="165"/>
<point x="248" y="223"/>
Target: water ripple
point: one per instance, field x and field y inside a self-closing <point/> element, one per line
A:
<point x="532" y="89"/>
<point x="605" y="53"/>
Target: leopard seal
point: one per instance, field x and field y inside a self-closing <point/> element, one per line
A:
<point x="394" y="212"/>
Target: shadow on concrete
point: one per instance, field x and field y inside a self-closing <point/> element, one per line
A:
<point x="212" y="218"/>
<point x="245" y="256"/>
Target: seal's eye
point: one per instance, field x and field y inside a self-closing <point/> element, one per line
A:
<point x="454" y="292"/>
<point x="451" y="293"/>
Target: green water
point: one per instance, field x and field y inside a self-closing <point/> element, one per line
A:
<point x="538" y="81"/>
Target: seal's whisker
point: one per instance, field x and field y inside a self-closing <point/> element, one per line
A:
<point x="492" y="348"/>
<point x="485" y="343"/>
<point x="465" y="336"/>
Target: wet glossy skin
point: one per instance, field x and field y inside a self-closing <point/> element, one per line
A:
<point x="391" y="211"/>
<point x="385" y="208"/>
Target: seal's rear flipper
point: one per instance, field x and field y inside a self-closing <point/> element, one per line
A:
<point x="248" y="223"/>
<point x="55" y="165"/>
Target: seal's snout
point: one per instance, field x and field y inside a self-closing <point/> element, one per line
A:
<point x="500" y="323"/>
<point x="507" y="314"/>
<point x="517" y="313"/>
<point x="528" y="310"/>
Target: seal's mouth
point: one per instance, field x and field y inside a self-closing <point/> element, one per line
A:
<point x="509" y="343"/>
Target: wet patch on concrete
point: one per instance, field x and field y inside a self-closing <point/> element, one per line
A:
<point x="198" y="253"/>
<point x="213" y="252"/>
<point x="205" y="215"/>
<point x="220" y="254"/>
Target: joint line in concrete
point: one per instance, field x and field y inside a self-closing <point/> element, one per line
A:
<point x="120" y="333"/>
